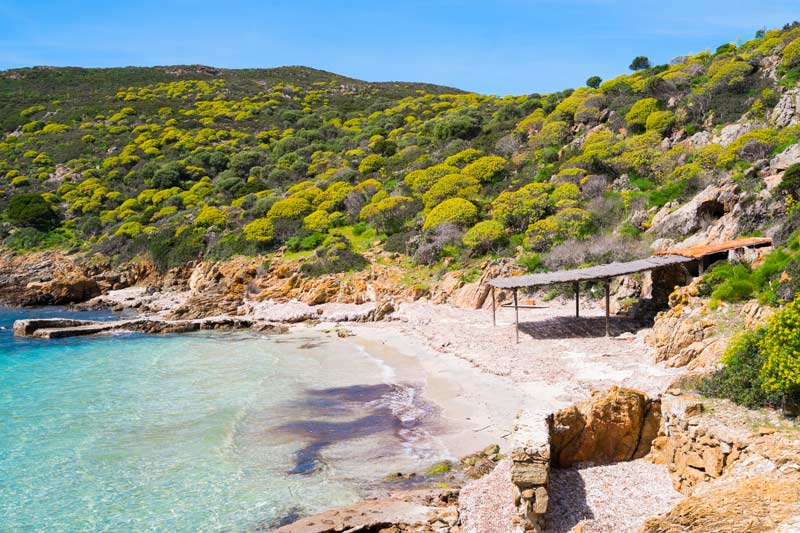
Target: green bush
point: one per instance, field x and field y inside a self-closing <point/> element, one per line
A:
<point x="740" y="379"/>
<point x="30" y="239"/>
<point x="335" y="255"/>
<point x="455" y="211"/>
<point x="483" y="236"/>
<point x="389" y="214"/>
<point x="790" y="183"/>
<point x="452" y="186"/>
<point x="487" y="168"/>
<point x="791" y="54"/>
<point x="168" y="250"/>
<point x="660" y="121"/>
<point x="780" y="348"/>
<point x="260" y="230"/>
<point x="518" y="209"/>
<point x="640" y="112"/>
<point x="32" y="210"/>
<point x="210" y="216"/>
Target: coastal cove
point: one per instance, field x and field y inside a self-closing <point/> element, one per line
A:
<point x="222" y="430"/>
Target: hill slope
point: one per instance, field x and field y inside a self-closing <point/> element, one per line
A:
<point x="190" y="161"/>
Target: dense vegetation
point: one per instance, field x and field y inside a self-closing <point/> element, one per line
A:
<point x="762" y="367"/>
<point x="189" y="161"/>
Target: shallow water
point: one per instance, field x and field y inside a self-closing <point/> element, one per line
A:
<point x="206" y="431"/>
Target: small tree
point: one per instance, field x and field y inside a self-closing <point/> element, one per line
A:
<point x="594" y="82"/>
<point x="639" y="63"/>
<point x="32" y="210"/>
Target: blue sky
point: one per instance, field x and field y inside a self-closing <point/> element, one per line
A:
<point x="502" y="47"/>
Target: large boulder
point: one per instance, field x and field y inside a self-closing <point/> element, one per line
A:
<point x="708" y="206"/>
<point x="616" y="426"/>
<point x="785" y="159"/>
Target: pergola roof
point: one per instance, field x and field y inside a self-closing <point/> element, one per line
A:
<point x="717" y="247"/>
<point x="590" y="273"/>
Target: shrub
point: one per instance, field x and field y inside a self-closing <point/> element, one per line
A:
<point x="640" y="112"/>
<point x="727" y="73"/>
<point x="483" y="236"/>
<point x="168" y="250"/>
<point x="371" y="163"/>
<point x="210" y="216"/>
<point x="261" y="230"/>
<point x="454" y="211"/>
<point x="318" y="221"/>
<point x="464" y="157"/>
<point x="790" y="183"/>
<point x="292" y="208"/>
<point x="780" y="348"/>
<point x="422" y="180"/>
<point x="660" y="121"/>
<point x="487" y="168"/>
<point x="791" y="54"/>
<point x="390" y="214"/>
<point x="130" y="229"/>
<point x="452" y="186"/>
<point x="335" y="255"/>
<point x="552" y="134"/>
<point x="541" y="234"/>
<point x="519" y="208"/>
<point x="565" y="195"/>
<point x="594" y="82"/>
<point x="32" y="210"/>
<point x="740" y="379"/>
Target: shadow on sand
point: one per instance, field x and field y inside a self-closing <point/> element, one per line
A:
<point x="565" y="327"/>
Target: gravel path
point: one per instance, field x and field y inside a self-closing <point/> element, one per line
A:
<point x="485" y="505"/>
<point x="608" y="499"/>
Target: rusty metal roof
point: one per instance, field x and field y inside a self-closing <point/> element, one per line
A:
<point x="708" y="249"/>
<point x="590" y="273"/>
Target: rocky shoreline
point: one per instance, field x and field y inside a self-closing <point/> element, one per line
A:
<point x="609" y="479"/>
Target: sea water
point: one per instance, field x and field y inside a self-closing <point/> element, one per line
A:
<point x="217" y="431"/>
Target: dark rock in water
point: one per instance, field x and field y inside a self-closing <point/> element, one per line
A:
<point x="290" y="516"/>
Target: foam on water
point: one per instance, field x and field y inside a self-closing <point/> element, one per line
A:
<point x="199" y="432"/>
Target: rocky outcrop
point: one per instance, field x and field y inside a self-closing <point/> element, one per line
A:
<point x="55" y="278"/>
<point x="785" y="159"/>
<point x="762" y="503"/>
<point x="616" y="426"/>
<point x="420" y="511"/>
<point x="787" y="111"/>
<point x="687" y="334"/>
<point x="703" y="210"/>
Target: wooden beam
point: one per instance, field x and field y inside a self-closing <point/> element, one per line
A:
<point x="577" y="299"/>
<point x="516" y="317"/>
<point x="494" y="309"/>
<point x="606" y="282"/>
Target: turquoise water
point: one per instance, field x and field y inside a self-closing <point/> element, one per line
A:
<point x="211" y="432"/>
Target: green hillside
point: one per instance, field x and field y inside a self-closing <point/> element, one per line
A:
<point x="183" y="162"/>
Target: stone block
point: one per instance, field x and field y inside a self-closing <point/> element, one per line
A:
<point x="526" y="475"/>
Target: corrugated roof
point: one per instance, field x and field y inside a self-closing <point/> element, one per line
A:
<point x="590" y="273"/>
<point x="708" y="249"/>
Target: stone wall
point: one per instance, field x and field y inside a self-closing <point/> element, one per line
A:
<point x="530" y="472"/>
<point x="695" y="447"/>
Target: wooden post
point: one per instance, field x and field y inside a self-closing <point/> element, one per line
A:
<point x="608" y="304"/>
<point x="577" y="299"/>
<point x="516" y="316"/>
<point x="494" y="309"/>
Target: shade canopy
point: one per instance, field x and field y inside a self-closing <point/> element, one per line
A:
<point x="590" y="273"/>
